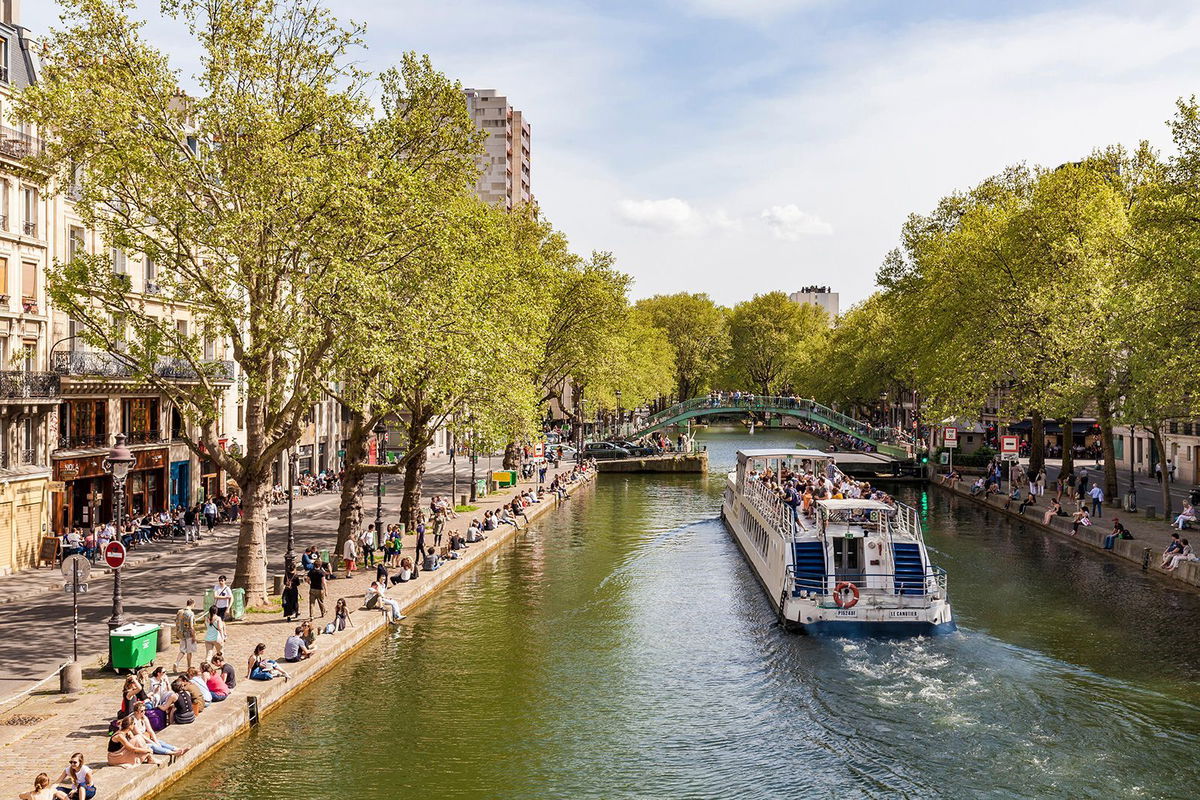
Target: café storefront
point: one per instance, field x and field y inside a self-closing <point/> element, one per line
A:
<point x="86" y="498"/>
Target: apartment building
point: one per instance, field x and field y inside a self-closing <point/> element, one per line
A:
<point x="504" y="180"/>
<point x="818" y="296"/>
<point x="29" y="392"/>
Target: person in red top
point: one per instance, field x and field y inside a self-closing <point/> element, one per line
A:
<point x="215" y="681"/>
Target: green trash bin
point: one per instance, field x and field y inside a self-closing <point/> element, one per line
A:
<point x="133" y="645"/>
<point x="237" y="609"/>
<point x="210" y="600"/>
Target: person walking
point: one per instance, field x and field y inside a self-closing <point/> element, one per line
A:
<point x="223" y="597"/>
<point x="214" y="633"/>
<point x="316" y="587"/>
<point x="291" y="597"/>
<point x="1097" y="495"/>
<point x="349" y="555"/>
<point x="185" y="633"/>
<point x="368" y="543"/>
<point x="210" y="514"/>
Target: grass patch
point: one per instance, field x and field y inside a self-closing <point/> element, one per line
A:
<point x="273" y="606"/>
<point x="464" y="509"/>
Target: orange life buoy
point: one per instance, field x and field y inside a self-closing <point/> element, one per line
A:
<point x="839" y="594"/>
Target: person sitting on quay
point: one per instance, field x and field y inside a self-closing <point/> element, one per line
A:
<point x="198" y="701"/>
<point x="1174" y="547"/>
<point x="214" y="681"/>
<point x="1186" y="516"/>
<point x="294" y="649"/>
<point x="159" y="689"/>
<point x="474" y="534"/>
<point x="1030" y="500"/>
<point x="1119" y="531"/>
<point x="141" y="727"/>
<point x="404" y="572"/>
<point x="341" y="615"/>
<point x="1183" y="555"/>
<point x="457" y="541"/>
<point x="126" y="748"/>
<point x="505" y="518"/>
<point x="431" y="560"/>
<point x="377" y="596"/>
<point x="41" y="790"/>
<point x="1080" y="517"/>
<point x="1053" y="510"/>
<point x="75" y="782"/>
<point x="200" y="680"/>
<point x="226" y="672"/>
<point x="261" y="668"/>
<point x="183" y="710"/>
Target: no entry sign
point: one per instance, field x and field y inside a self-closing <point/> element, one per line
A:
<point x="114" y="554"/>
<point x="1009" y="444"/>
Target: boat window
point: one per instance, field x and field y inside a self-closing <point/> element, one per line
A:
<point x="846" y="554"/>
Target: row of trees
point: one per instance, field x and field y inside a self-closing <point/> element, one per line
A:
<point x="1062" y="292"/>
<point x="321" y="221"/>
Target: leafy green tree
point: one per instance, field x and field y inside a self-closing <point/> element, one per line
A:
<point x="768" y="336"/>
<point x="250" y="198"/>
<point x="698" y="332"/>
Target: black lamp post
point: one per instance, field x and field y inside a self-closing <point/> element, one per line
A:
<point x="380" y="431"/>
<point x="289" y="558"/>
<point x="474" y="457"/>
<point x="619" y="414"/>
<point x="117" y="464"/>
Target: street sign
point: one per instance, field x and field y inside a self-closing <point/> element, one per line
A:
<point x="114" y="554"/>
<point x="69" y="589"/>
<point x="71" y="563"/>
<point x="1009" y="445"/>
<point x="1009" y="457"/>
<point x="56" y="486"/>
<point x="950" y="437"/>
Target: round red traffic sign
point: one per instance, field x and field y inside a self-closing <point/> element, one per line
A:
<point x="114" y="554"/>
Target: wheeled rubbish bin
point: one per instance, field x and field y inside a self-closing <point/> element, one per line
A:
<point x="133" y="645"/>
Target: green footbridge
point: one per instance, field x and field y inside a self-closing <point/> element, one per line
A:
<point x="881" y="439"/>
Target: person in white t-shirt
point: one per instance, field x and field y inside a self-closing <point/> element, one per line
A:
<point x="222" y="597"/>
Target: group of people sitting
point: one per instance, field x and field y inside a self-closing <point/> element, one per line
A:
<point x="799" y="487"/>
<point x="164" y="525"/>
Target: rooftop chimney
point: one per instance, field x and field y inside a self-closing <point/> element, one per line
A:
<point x="12" y="11"/>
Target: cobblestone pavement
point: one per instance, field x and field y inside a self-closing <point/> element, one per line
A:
<point x="39" y="732"/>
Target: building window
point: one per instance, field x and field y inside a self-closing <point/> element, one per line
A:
<point x="29" y="283"/>
<point x="241" y="417"/>
<point x="83" y="423"/>
<point x="210" y="350"/>
<point x="4" y="60"/>
<point x="140" y="415"/>
<point x="4" y="277"/>
<point x="28" y="451"/>
<point x="118" y="261"/>
<point x="181" y="328"/>
<point x="29" y="205"/>
<point x="29" y="355"/>
<point x="5" y="188"/>
<point x="75" y="242"/>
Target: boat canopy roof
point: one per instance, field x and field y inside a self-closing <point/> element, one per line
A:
<point x="850" y="505"/>
<point x="744" y="455"/>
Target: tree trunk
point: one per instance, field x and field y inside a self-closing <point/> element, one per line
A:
<point x="512" y="456"/>
<point x="414" y="474"/>
<point x="1165" y="484"/>
<point x="350" y="510"/>
<point x="1111" y="491"/>
<point x="250" y="573"/>
<point x="1068" y="456"/>
<point x="1037" y="443"/>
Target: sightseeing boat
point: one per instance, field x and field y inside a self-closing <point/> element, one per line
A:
<point x="850" y="567"/>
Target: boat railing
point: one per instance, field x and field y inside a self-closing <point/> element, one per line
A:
<point x="905" y="523"/>
<point x="915" y="591"/>
<point x="771" y="506"/>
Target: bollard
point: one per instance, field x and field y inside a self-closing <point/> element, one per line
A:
<point x="1149" y="512"/>
<point x="1145" y="558"/>
<point x="277" y="584"/>
<point x="462" y="500"/>
<point x="164" y="638"/>
<point x="70" y="678"/>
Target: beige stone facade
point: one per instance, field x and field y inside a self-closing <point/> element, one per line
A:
<point x="505" y="177"/>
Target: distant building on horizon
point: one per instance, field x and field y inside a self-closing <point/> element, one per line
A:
<point x="505" y="177"/>
<point x="818" y="296"/>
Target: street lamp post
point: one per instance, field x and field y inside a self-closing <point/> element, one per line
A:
<point x="289" y="558"/>
<point x="620" y="416"/>
<point x="380" y="431"/>
<point x="117" y="464"/>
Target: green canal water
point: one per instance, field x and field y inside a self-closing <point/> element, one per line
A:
<point x="621" y="649"/>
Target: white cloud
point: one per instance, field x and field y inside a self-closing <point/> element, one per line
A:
<point x="675" y="216"/>
<point x="790" y="223"/>
<point x="747" y="9"/>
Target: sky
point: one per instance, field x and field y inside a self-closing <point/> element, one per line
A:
<point x="736" y="147"/>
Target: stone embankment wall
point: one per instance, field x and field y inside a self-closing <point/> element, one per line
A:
<point x="686" y="462"/>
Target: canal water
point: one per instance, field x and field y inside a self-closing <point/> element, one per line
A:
<point x="622" y="649"/>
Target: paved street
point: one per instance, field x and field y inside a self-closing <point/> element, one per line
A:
<point x="1148" y="489"/>
<point x="36" y="631"/>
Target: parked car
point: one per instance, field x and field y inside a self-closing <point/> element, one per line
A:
<point x="601" y="450"/>
<point x="564" y="451"/>
<point x="637" y="449"/>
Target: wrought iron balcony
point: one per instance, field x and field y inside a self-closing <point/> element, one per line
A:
<point x="18" y="384"/>
<point x="153" y="288"/>
<point x="28" y="457"/>
<point x="15" y="144"/>
<point x="30" y="228"/>
<point x="107" y="365"/>
<point x="83" y="442"/>
<point x="145" y="437"/>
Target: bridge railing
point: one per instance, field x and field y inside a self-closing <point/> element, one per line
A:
<point x="822" y="413"/>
